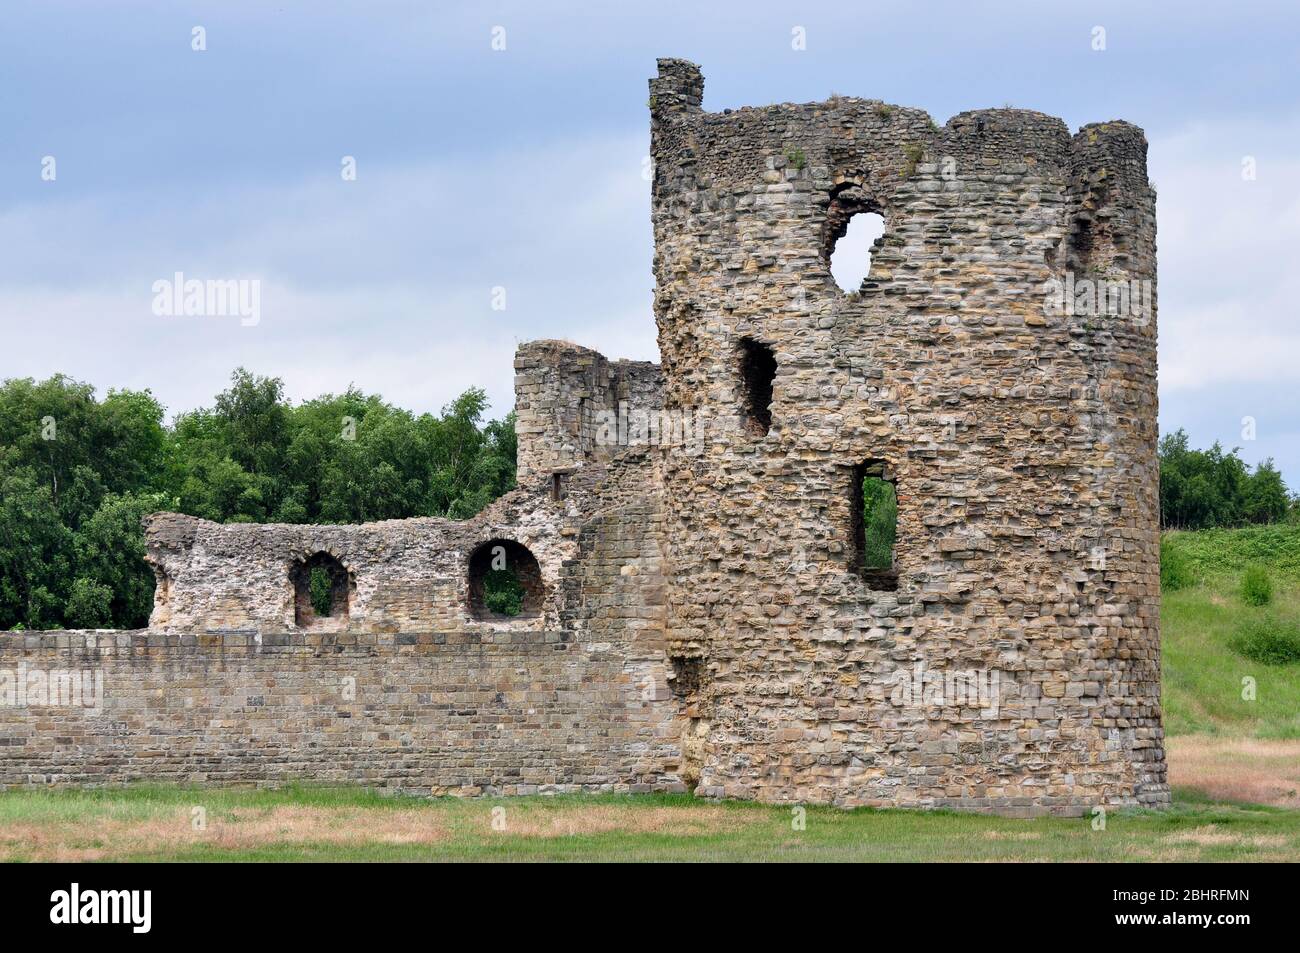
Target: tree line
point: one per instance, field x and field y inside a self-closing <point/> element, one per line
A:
<point x="77" y="474"/>
<point x="1200" y="489"/>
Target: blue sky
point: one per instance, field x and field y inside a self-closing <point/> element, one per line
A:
<point x="522" y="168"/>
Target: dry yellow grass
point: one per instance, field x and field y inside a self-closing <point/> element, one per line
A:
<point x="155" y="823"/>
<point x="1012" y="835"/>
<point x="1237" y="769"/>
<point x="98" y="838"/>
<point x="102" y="837"/>
<point x="1210" y="834"/>
<point x="601" y="819"/>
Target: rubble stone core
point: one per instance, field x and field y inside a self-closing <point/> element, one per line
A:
<point x="697" y="613"/>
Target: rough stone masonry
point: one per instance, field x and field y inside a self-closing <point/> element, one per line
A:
<point x="696" y="612"/>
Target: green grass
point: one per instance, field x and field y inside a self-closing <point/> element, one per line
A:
<point x="1203" y="675"/>
<point x="880" y="522"/>
<point x="1202" y="695"/>
<point x="1175" y="569"/>
<point x="684" y="829"/>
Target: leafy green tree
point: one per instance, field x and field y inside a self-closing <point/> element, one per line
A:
<point x="57" y="426"/>
<point x="108" y="554"/>
<point x="322" y="598"/>
<point x="1266" y="498"/>
<point x="77" y="475"/>
<point x="254" y="421"/>
<point x="34" y="564"/>
<point x="503" y="593"/>
<point x="89" y="605"/>
<point x="1205" y="488"/>
<point x="880" y="518"/>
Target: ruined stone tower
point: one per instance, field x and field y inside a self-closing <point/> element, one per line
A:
<point x="697" y="609"/>
<point x="1020" y="438"/>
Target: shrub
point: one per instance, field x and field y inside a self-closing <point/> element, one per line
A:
<point x="1175" y="569"/>
<point x="912" y="153"/>
<point x="322" y="598"/>
<point x="1256" y="586"/>
<point x="502" y="592"/>
<point x="1268" y="641"/>
<point x="90" y="605"/>
<point x="880" y="518"/>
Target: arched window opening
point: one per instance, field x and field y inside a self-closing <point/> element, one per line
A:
<point x="505" y="581"/>
<point x="322" y="590"/>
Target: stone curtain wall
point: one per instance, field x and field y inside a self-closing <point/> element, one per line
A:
<point x="406" y="575"/>
<point x="420" y="712"/>
<point x="1021" y="442"/>
<point x="409" y="692"/>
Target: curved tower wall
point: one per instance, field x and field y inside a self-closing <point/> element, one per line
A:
<point x="1015" y="666"/>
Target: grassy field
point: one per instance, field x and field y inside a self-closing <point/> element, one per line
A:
<point x="152" y="823"/>
<point x="1234" y="764"/>
<point x="1202" y="675"/>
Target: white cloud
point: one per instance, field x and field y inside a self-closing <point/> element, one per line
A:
<point x="1229" y="266"/>
<point x="385" y="282"/>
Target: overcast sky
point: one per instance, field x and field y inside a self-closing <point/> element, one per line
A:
<point x="522" y="169"/>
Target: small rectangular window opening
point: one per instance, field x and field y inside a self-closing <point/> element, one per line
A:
<point x="687" y="675"/>
<point x="557" y="486"/>
<point x="874" y="512"/>
<point x="757" y="374"/>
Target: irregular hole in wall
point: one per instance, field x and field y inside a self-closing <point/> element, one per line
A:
<point x="855" y="228"/>
<point x="1093" y="243"/>
<point x="162" y="592"/>
<point x="757" y="374"/>
<point x="873" y="511"/>
<point x="687" y="675"/>
<point x="1081" y="244"/>
<point x="505" y="581"/>
<point x="322" y="589"/>
<point x="686" y="680"/>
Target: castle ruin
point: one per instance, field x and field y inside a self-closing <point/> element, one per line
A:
<point x="688" y="537"/>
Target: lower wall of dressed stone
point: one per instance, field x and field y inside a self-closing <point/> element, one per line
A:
<point x="421" y="713"/>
